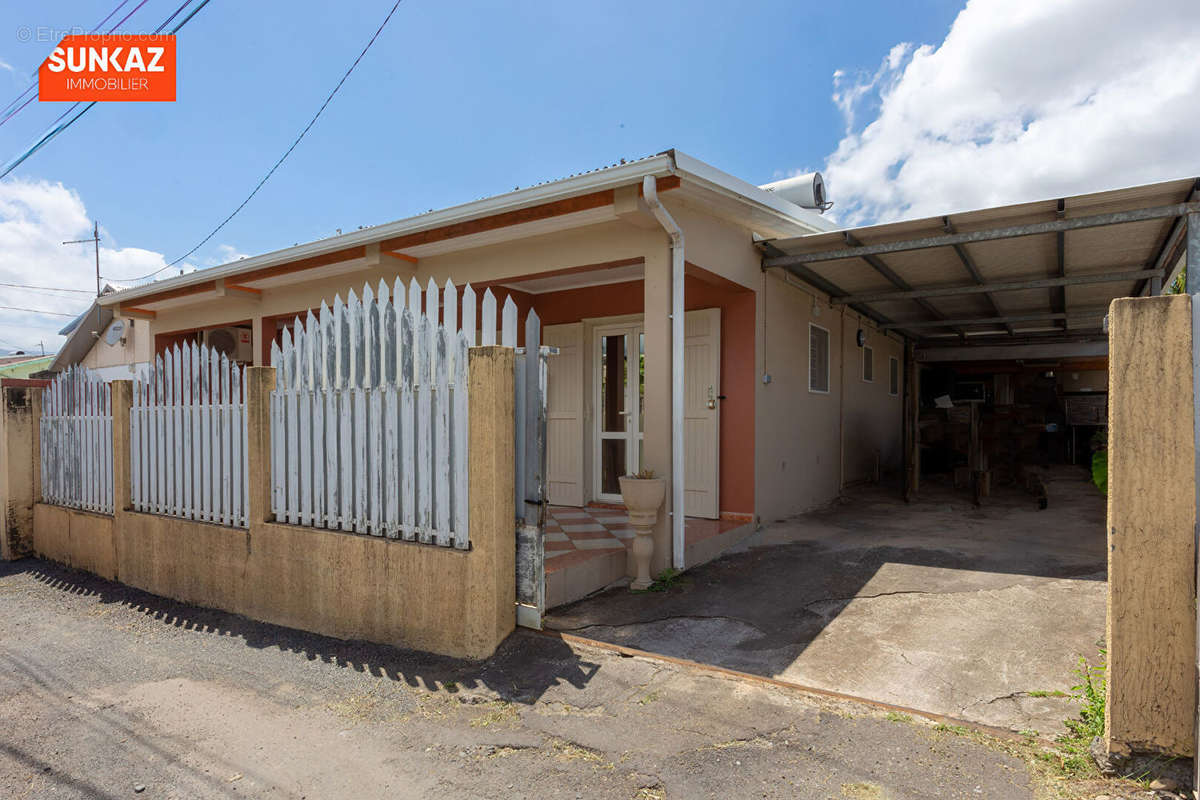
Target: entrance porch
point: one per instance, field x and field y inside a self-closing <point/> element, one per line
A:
<point x="587" y="547"/>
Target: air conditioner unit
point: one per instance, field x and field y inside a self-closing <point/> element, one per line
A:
<point x="237" y="343"/>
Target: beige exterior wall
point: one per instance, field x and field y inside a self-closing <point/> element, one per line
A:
<point x="137" y="349"/>
<point x="439" y="599"/>
<point x="797" y="448"/>
<point x="872" y="418"/>
<point x="1151" y="512"/>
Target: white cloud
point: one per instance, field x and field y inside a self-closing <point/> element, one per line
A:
<point x="36" y="217"/>
<point x="1023" y="100"/>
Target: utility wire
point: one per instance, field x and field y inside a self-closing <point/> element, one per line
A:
<point x="60" y="125"/>
<point x="47" y="288"/>
<point x="37" y="311"/>
<point x="33" y="85"/>
<point x="282" y="158"/>
<point x="110" y="30"/>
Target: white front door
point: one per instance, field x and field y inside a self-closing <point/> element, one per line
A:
<point x="619" y="392"/>
<point x="564" y="414"/>
<point x="701" y="413"/>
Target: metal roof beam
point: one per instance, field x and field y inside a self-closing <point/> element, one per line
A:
<point x="829" y="288"/>
<point x="1039" y="317"/>
<point x="1171" y="245"/>
<point x="887" y="272"/>
<point x="969" y="265"/>
<point x="1010" y="232"/>
<point x="1060" y="247"/>
<point x="1016" y="351"/>
<point x="988" y="288"/>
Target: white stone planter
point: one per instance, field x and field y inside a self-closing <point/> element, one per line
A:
<point x="642" y="498"/>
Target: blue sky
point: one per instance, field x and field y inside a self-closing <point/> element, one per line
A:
<point x="455" y="101"/>
<point x="458" y="101"/>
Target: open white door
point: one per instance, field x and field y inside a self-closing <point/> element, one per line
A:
<point x="701" y="413"/>
<point x="564" y="414"/>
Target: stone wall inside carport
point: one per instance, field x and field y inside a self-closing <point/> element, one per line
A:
<point x="1151" y="634"/>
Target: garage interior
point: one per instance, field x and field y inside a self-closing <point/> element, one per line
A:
<point x="970" y="585"/>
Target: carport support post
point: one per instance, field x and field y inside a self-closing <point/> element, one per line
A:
<point x="912" y="428"/>
<point x="1193" y="289"/>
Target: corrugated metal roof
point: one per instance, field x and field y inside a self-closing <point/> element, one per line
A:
<point x="911" y="275"/>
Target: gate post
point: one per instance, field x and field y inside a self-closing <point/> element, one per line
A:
<point x="122" y="401"/>
<point x="19" y="484"/>
<point x="491" y="612"/>
<point x="1151" y="635"/>
<point x="260" y="382"/>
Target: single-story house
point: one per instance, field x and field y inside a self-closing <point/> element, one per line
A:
<point x="785" y="398"/>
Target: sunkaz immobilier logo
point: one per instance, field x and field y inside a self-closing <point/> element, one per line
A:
<point x="110" y="67"/>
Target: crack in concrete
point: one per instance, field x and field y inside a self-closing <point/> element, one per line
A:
<point x="912" y="591"/>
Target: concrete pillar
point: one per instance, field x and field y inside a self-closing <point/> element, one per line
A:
<point x="1151" y="632"/>
<point x="492" y="584"/>
<point x="17" y="481"/>
<point x="656" y="421"/>
<point x="258" y="336"/>
<point x="122" y="399"/>
<point x="260" y="382"/>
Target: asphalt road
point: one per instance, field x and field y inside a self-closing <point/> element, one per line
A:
<point x="107" y="692"/>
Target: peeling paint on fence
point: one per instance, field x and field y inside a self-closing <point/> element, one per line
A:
<point x="369" y="417"/>
<point x="76" y="442"/>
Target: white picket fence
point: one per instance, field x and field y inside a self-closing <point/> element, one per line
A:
<point x="76" y="442"/>
<point x="369" y="420"/>
<point x="188" y="438"/>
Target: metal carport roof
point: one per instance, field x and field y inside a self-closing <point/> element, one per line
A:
<point x="1044" y="271"/>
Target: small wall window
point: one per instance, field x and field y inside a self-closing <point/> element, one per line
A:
<point x="868" y="369"/>
<point x="893" y="375"/>
<point x="818" y="359"/>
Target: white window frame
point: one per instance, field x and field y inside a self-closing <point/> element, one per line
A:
<point x="828" y="364"/>
<point x="866" y="348"/>
<point x="892" y="360"/>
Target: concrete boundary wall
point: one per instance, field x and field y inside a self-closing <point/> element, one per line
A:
<point x="1151" y="514"/>
<point x="453" y="602"/>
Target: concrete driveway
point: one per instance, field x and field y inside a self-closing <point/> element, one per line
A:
<point x="976" y="613"/>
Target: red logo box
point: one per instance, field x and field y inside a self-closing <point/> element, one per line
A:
<point x="129" y="67"/>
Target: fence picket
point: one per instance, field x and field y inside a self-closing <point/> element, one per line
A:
<point x="75" y="455"/>
<point x="370" y="417"/>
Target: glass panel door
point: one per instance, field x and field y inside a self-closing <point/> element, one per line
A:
<point x="619" y="389"/>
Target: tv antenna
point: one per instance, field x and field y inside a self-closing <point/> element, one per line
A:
<point x="96" y="241"/>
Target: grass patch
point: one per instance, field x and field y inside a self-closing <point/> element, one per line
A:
<point x="667" y="579"/>
<point x="1071" y="756"/>
<point x="896" y="716"/>
<point x="1048" y="693"/>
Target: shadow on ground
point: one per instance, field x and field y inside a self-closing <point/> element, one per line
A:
<point x="522" y="669"/>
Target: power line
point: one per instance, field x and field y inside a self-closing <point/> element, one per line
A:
<point x="287" y="153"/>
<point x="58" y="126"/>
<point x="46" y="288"/>
<point x="37" y="311"/>
<point x="35" y="83"/>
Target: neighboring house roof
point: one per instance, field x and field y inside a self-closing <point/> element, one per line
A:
<point x="22" y="366"/>
<point x="741" y="200"/>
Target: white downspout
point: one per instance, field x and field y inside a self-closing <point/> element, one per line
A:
<point x="650" y="192"/>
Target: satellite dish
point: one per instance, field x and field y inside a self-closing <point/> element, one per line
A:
<point x="114" y="332"/>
